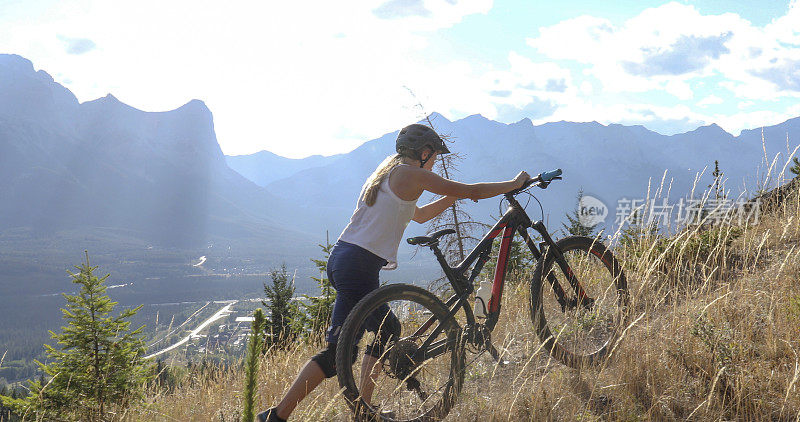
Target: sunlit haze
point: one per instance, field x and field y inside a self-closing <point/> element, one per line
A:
<point x="303" y="78"/>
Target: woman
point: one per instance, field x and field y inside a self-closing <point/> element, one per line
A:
<point x="385" y="206"/>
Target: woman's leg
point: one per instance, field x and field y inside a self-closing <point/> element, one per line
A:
<point x="307" y="380"/>
<point x="384" y="323"/>
<point x="370" y="369"/>
<point x="353" y="276"/>
<point x="320" y="366"/>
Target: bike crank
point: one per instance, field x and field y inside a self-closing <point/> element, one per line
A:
<point x="478" y="339"/>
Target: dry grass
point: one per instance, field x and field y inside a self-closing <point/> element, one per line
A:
<point x="715" y="336"/>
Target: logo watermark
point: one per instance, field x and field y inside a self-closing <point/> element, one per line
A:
<point x="591" y="211"/>
<point x="687" y="211"/>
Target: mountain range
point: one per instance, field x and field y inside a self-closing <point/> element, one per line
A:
<point x="609" y="162"/>
<point x="161" y="176"/>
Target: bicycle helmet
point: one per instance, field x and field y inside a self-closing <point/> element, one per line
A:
<point x="415" y="137"/>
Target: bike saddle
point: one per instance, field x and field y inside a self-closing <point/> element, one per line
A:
<point x="429" y="240"/>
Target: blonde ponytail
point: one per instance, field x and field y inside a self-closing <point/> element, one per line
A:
<point x="377" y="177"/>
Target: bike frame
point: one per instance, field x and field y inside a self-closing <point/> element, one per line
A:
<point x="514" y="220"/>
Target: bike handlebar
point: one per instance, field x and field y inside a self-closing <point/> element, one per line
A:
<point x="543" y="179"/>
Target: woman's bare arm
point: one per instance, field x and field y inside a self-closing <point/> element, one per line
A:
<point x="432" y="182"/>
<point x="428" y="211"/>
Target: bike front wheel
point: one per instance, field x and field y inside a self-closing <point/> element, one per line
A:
<point x="412" y="367"/>
<point x="579" y="303"/>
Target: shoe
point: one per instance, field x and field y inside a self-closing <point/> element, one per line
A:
<point x="269" y="415"/>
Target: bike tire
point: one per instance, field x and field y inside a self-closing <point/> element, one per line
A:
<point x="579" y="336"/>
<point x="385" y="408"/>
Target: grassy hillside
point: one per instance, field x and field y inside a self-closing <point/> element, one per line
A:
<point x="714" y="335"/>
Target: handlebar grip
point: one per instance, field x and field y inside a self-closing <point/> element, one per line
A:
<point x="550" y="175"/>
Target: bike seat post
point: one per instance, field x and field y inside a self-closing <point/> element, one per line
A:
<point x="439" y="255"/>
<point x="448" y="271"/>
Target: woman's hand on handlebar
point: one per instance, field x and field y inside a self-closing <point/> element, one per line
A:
<point x="521" y="178"/>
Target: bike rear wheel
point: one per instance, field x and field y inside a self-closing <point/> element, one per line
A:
<point x="418" y="368"/>
<point x="579" y="330"/>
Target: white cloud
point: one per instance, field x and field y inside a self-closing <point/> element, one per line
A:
<point x="77" y="45"/>
<point x="523" y="88"/>
<point x="667" y="46"/>
<point x="787" y="28"/>
<point x="428" y="15"/>
<point x="710" y="100"/>
<point x="751" y="119"/>
<point x="680" y="89"/>
<point x="395" y="9"/>
<point x="531" y="87"/>
<point x="647" y="52"/>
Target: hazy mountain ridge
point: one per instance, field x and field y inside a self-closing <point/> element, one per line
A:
<point x="264" y="167"/>
<point x="103" y="163"/>
<point x="611" y="162"/>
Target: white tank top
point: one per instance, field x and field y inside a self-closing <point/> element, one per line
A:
<point x="379" y="228"/>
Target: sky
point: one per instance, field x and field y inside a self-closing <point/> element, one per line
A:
<point x="302" y="78"/>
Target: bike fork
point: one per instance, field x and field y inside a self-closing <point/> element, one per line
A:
<point x="548" y="247"/>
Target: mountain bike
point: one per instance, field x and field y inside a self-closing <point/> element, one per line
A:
<point x="418" y="342"/>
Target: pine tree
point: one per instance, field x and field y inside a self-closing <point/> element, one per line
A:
<point x="5" y="412"/>
<point x="97" y="365"/>
<point x="576" y="226"/>
<point x="795" y="168"/>
<point x="314" y="312"/>
<point x="279" y="326"/>
<point x="165" y="376"/>
<point x="255" y="348"/>
<point x="169" y="377"/>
